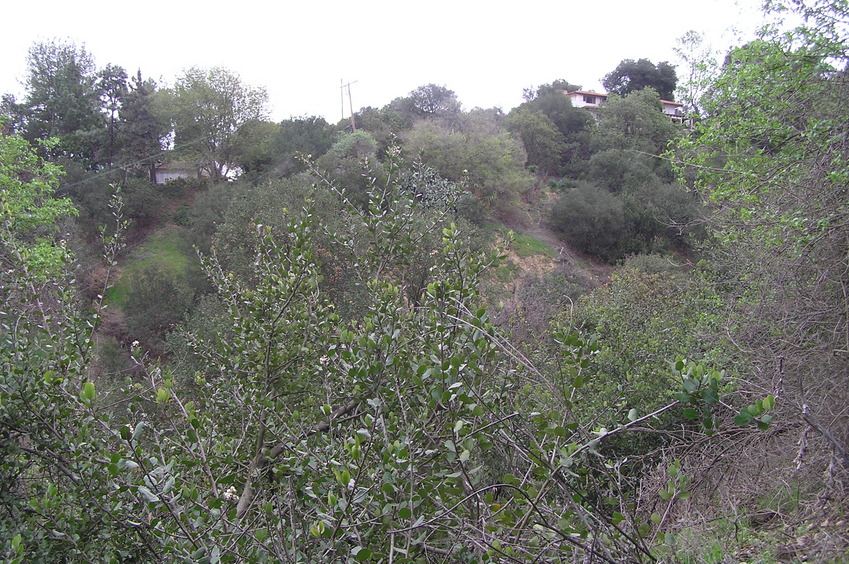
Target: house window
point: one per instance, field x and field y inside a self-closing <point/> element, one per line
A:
<point x="589" y="99"/>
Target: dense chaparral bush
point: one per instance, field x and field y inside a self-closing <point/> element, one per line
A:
<point x="405" y="434"/>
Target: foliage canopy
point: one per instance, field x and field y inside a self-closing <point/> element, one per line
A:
<point x="633" y="76"/>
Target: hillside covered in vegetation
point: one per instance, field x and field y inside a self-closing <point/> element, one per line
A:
<point x="429" y="333"/>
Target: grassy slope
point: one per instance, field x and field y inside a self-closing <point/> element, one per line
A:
<point x="162" y="247"/>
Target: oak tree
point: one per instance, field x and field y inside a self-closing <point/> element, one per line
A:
<point x="208" y="108"/>
<point x="631" y="76"/>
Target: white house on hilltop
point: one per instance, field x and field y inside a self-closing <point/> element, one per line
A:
<point x="591" y="100"/>
<point x="674" y="110"/>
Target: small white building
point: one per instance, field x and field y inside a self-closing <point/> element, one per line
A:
<point x="589" y="99"/>
<point x="174" y="170"/>
<point x="674" y="110"/>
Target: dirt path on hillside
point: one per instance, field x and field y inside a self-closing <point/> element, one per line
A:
<point x="112" y="317"/>
<point x="571" y="261"/>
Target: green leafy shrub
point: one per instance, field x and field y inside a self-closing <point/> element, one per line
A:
<point x="618" y="170"/>
<point x="592" y="219"/>
<point x="410" y="432"/>
<point x="182" y="217"/>
<point x="488" y="159"/>
<point x="208" y="211"/>
<point x="156" y="302"/>
<point x="644" y="319"/>
<point x="352" y="164"/>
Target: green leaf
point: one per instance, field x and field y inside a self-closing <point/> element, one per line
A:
<point x="405" y="513"/>
<point x="683" y="398"/>
<point x="163" y="395"/>
<point x="137" y="432"/>
<point x="633" y="414"/>
<point x="674" y="468"/>
<point x="769" y="403"/>
<point x="361" y="554"/>
<point x="318" y="528"/>
<point x="655" y="518"/>
<point x="743" y="418"/>
<point x="691" y="413"/>
<point x="709" y="396"/>
<point x="87" y="394"/>
<point x="343" y="477"/>
<point x="148" y="495"/>
<point x="169" y="483"/>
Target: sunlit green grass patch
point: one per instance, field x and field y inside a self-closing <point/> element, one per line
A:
<point x="165" y="250"/>
<point x="526" y="245"/>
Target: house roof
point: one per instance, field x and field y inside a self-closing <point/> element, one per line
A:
<point x="670" y="103"/>
<point x="587" y="92"/>
<point x="176" y="165"/>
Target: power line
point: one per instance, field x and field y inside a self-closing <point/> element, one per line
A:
<point x="145" y="160"/>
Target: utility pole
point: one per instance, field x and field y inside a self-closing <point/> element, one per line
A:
<point x="350" y="101"/>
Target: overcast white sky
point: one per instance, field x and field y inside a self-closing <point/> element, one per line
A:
<point x="485" y="51"/>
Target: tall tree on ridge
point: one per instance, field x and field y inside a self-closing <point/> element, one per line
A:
<point x="432" y="100"/>
<point x="62" y="99"/>
<point x="208" y="108"/>
<point x="630" y="76"/>
<point x="112" y="88"/>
